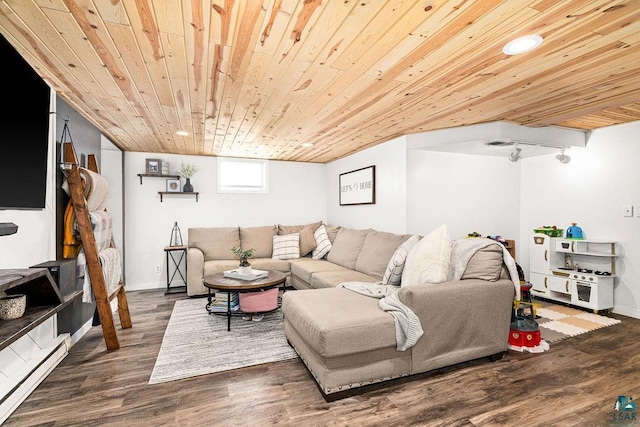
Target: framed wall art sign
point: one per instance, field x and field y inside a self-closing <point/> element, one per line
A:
<point x="154" y="166"/>
<point x="358" y="187"/>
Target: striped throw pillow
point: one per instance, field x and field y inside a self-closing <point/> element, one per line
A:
<point x="286" y="246"/>
<point x="323" y="244"/>
<point x="393" y="273"/>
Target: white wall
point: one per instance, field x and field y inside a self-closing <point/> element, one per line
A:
<point x="111" y="169"/>
<point x="34" y="243"/>
<point x="591" y="190"/>
<point x="296" y="196"/>
<point x="389" y="211"/>
<point x="467" y="193"/>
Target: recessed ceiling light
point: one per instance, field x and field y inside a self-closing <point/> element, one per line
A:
<point x="306" y="144"/>
<point x="522" y="45"/>
<point x="182" y="132"/>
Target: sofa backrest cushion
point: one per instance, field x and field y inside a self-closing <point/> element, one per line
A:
<point x="288" y="229"/>
<point x="332" y="232"/>
<point x="258" y="238"/>
<point x="485" y="264"/>
<point x="428" y="260"/>
<point x="307" y="241"/>
<point x="346" y="247"/>
<point x="377" y="250"/>
<point x="215" y="242"/>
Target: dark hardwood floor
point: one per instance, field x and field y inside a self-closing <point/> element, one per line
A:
<point x="575" y="383"/>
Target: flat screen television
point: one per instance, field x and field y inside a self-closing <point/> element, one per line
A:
<point x="24" y="133"/>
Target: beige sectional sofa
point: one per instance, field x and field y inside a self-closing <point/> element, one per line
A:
<point x="343" y="337"/>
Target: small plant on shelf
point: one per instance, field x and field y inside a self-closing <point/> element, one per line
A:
<point x="188" y="169"/>
<point x="243" y="255"/>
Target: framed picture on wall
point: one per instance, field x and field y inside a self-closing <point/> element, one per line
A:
<point x="173" y="185"/>
<point x="358" y="187"/>
<point x="154" y="167"/>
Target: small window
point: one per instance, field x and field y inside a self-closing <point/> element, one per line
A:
<point x="242" y="175"/>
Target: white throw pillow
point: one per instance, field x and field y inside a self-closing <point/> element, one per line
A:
<point x="428" y="260"/>
<point x="323" y="244"/>
<point x="286" y="246"/>
<point x="393" y="273"/>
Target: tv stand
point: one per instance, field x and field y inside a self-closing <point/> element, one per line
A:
<point x="30" y="346"/>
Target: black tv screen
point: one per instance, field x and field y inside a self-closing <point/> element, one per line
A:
<point x="24" y="134"/>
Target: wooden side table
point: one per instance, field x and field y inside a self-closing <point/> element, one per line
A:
<point x="178" y="257"/>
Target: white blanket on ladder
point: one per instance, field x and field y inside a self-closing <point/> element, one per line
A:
<point x="111" y="271"/>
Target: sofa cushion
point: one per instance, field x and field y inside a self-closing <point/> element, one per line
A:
<point x="486" y="264"/>
<point x="215" y="242"/>
<point x="218" y="266"/>
<point x="323" y="245"/>
<point x="393" y="273"/>
<point x="338" y="322"/>
<point x="307" y="240"/>
<point x="428" y="260"/>
<point x="332" y="231"/>
<point x="377" y="250"/>
<point x="270" y="264"/>
<point x="258" y="238"/>
<point x="288" y="229"/>
<point x="304" y="268"/>
<point x="346" y="248"/>
<point x="331" y="279"/>
<point x="286" y="246"/>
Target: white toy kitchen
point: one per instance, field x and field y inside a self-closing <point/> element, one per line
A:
<point x="576" y="272"/>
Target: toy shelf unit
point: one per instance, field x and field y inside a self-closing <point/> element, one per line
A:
<point x="576" y="272"/>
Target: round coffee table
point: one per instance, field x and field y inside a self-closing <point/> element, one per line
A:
<point x="219" y="282"/>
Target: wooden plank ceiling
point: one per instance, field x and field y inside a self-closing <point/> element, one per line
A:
<point x="257" y="78"/>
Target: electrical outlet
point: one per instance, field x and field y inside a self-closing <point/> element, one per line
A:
<point x="627" y="210"/>
<point x="158" y="268"/>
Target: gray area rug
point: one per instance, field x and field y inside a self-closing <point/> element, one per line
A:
<point x="198" y="343"/>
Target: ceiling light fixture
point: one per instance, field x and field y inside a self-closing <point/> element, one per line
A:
<point x="563" y="158"/>
<point x="522" y="45"/>
<point x="182" y="132"/>
<point x="306" y="144"/>
<point x="515" y="154"/>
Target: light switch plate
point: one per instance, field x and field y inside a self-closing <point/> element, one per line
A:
<point x="637" y="210"/>
<point x="627" y="210"/>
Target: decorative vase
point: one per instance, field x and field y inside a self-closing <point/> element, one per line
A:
<point x="245" y="269"/>
<point x="188" y="188"/>
<point x="12" y="306"/>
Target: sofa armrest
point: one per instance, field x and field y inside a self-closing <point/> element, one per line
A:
<point x="195" y="271"/>
<point x="461" y="319"/>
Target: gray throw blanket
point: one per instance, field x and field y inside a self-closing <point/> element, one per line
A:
<point x="408" y="328"/>
<point x="463" y="249"/>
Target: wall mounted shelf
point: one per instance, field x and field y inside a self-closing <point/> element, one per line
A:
<point x="178" y="193"/>
<point x="152" y="175"/>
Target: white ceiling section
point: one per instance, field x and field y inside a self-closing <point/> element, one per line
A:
<point x="474" y="139"/>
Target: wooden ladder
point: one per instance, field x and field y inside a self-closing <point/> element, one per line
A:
<point x="101" y="296"/>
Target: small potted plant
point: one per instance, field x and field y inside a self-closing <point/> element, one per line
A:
<point x="244" y="255"/>
<point x="187" y="170"/>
